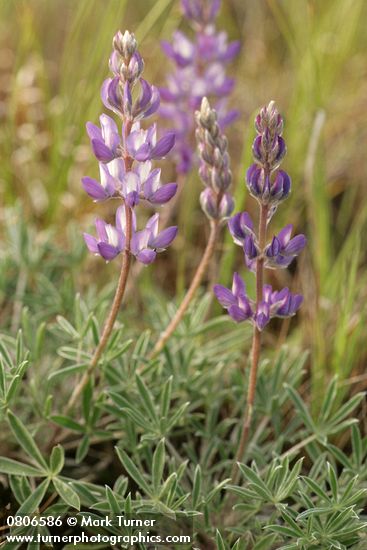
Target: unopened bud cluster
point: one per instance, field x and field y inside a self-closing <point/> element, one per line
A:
<point x="265" y="182"/>
<point x="214" y="169"/>
<point x="125" y="60"/>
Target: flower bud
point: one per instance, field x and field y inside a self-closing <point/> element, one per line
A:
<point x="125" y="44"/>
<point x="209" y="204"/>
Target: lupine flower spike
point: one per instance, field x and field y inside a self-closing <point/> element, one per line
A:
<point x="200" y="71"/>
<point x="216" y="200"/>
<point x="127" y="174"/>
<point x="269" y="185"/>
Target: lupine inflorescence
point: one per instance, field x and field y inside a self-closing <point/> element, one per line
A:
<point x="200" y="70"/>
<point x="125" y="159"/>
<point x="269" y="185"/>
<point x="215" y="200"/>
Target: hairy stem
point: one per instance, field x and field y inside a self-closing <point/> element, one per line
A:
<point x="109" y="324"/>
<point x="202" y="267"/>
<point x="256" y="346"/>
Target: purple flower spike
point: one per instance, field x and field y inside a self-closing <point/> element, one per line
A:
<point x="126" y="172"/>
<point x="269" y="185"/>
<point x="199" y="71"/>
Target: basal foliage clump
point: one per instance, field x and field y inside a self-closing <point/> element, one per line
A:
<point x="152" y="436"/>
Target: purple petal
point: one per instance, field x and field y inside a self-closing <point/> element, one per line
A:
<point x="132" y="199"/>
<point x="101" y="229"/>
<point x="93" y="131"/>
<point x="143" y="153"/>
<point x="237" y="314"/>
<point x="121" y="220"/>
<point x="104" y="93"/>
<point x="224" y="296"/>
<point x="164" y="193"/>
<point x="238" y="285"/>
<point x="146" y="256"/>
<point x="107" y="251"/>
<point x="232" y="50"/>
<point x="297" y="300"/>
<point x="295" y="245"/>
<point x="101" y="151"/>
<point x="152" y="225"/>
<point x="284" y="235"/>
<point x="91" y="243"/>
<point x="154" y="106"/>
<point x="164" y="238"/>
<point x="94" y="189"/>
<point x="267" y="292"/>
<point x="261" y="320"/>
<point x="163" y="146"/>
<point x="146" y="93"/>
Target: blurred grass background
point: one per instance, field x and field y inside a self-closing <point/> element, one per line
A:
<point x="308" y="55"/>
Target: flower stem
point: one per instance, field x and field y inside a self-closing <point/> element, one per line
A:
<point x="201" y="269"/>
<point x="110" y="321"/>
<point x="256" y="346"/>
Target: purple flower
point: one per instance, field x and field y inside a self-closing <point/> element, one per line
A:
<point x="282" y="249"/>
<point x="282" y="303"/>
<point x="241" y="226"/>
<point x="241" y="308"/>
<point x="144" y="244"/>
<point x="200" y="71"/>
<point x="106" y="140"/>
<point x="109" y="243"/>
<point x="142" y="144"/>
<point x="235" y="301"/>
<point x="105" y="189"/>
